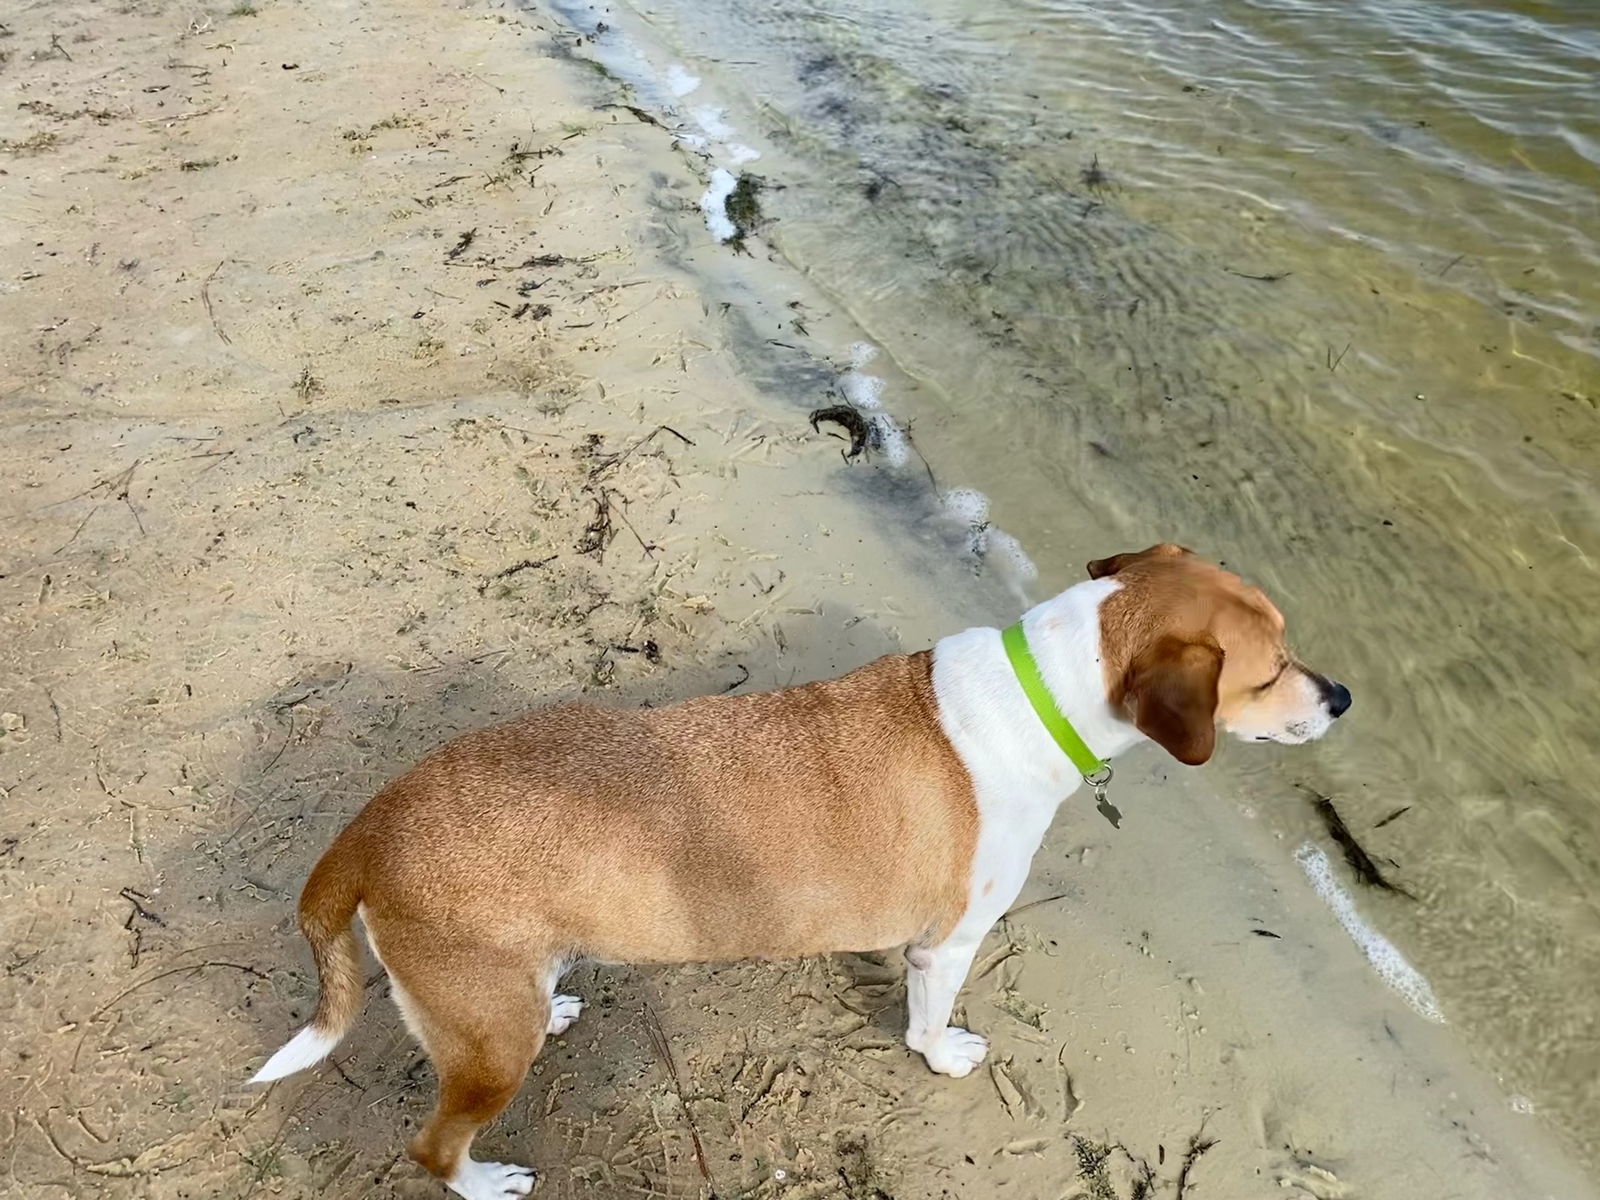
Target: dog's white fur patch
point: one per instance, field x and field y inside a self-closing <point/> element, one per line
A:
<point x="306" y="1048"/>
<point x="564" y="1011"/>
<point x="1019" y="776"/>
<point x="955" y="1052"/>
<point x="1306" y="720"/>
<point x="490" y="1180"/>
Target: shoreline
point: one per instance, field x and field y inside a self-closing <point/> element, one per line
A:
<point x="304" y="483"/>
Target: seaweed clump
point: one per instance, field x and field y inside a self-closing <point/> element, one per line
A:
<point x="852" y="421"/>
<point x="743" y="207"/>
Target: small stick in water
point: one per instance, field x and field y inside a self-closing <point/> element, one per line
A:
<point x="1360" y="861"/>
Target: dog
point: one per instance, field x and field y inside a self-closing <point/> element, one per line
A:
<point x="897" y="806"/>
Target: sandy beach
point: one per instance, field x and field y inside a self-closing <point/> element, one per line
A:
<point x="367" y="374"/>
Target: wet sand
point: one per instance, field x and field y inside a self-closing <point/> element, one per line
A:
<point x="370" y="375"/>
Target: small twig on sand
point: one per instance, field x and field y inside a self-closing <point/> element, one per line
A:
<point x="78" y="530"/>
<point x="287" y="738"/>
<point x="56" y="709"/>
<point x="526" y="564"/>
<point x="200" y="112"/>
<point x="928" y="466"/>
<point x="1198" y="1145"/>
<point x="638" y="113"/>
<point x="117" y="1168"/>
<point x="622" y="511"/>
<point x="460" y="248"/>
<point x="137" y="519"/>
<point x="139" y="910"/>
<point x="658" y="1038"/>
<point x="1035" y="904"/>
<point x="117" y="485"/>
<point x="337" y="1066"/>
<point x="597" y="534"/>
<point x="199" y="966"/>
<point x="1360" y="861"/>
<point x="614" y="460"/>
<point x="205" y="297"/>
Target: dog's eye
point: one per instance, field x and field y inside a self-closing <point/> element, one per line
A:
<point x="1276" y="675"/>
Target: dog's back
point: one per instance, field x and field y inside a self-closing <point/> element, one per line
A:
<point x="825" y="817"/>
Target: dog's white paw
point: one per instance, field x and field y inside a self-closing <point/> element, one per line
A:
<point x="491" y="1180"/>
<point x="955" y="1052"/>
<point x="564" y="1011"/>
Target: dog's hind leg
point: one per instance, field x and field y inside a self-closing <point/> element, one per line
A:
<point x="482" y="1020"/>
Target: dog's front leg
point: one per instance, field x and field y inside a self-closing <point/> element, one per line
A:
<point x="935" y="975"/>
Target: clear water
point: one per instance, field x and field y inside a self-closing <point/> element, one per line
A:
<point x="1313" y="287"/>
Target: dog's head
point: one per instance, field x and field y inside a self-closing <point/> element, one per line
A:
<point x="1188" y="646"/>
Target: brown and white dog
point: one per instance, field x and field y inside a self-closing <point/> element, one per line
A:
<point x="900" y="805"/>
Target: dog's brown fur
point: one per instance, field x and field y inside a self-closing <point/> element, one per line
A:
<point x="826" y="817"/>
<point x="1185" y="644"/>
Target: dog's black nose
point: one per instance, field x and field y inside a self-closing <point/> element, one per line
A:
<point x="1337" y="697"/>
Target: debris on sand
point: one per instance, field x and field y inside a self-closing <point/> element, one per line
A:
<point x="853" y="422"/>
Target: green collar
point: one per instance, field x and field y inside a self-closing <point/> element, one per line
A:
<point x="1096" y="773"/>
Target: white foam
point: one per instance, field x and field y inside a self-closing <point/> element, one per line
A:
<point x="891" y="439"/>
<point x="966" y="505"/>
<point x="1008" y="548"/>
<point x="679" y="81"/>
<point x="714" y="122"/>
<point x="716" y="141"/>
<point x="864" y="391"/>
<point x="715" y="204"/>
<point x="1389" y="963"/>
<point x="861" y="353"/>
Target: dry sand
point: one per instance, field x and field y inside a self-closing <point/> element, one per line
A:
<point x="367" y="375"/>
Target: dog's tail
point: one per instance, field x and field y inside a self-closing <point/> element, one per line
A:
<point x="327" y="906"/>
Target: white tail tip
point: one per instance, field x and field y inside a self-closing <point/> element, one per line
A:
<point x="305" y="1049"/>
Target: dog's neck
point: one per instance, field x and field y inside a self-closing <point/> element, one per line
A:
<point x="987" y="716"/>
<point x="1064" y="634"/>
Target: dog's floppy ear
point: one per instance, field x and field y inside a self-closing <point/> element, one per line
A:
<point x="1101" y="567"/>
<point x="1170" y="691"/>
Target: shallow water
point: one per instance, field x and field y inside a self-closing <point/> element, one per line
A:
<point x="1313" y="288"/>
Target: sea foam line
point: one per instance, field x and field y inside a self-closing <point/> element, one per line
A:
<point x="1385" y="958"/>
<point x="714" y="204"/>
<point x="713" y="136"/>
